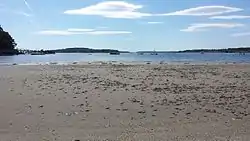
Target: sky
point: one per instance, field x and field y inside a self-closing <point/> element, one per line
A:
<point x="131" y="25"/>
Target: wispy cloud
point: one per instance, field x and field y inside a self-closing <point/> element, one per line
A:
<point x="28" y="5"/>
<point x="7" y="10"/>
<point x="108" y="32"/>
<point x="23" y="13"/>
<point x="74" y="31"/>
<point x="206" y="26"/>
<point x="230" y="17"/>
<point x="241" y="34"/>
<point x="204" y="11"/>
<point x="57" y="32"/>
<point x="79" y="30"/>
<point x="155" y="22"/>
<point x="111" y="9"/>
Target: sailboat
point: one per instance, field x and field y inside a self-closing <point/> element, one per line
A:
<point x="154" y="53"/>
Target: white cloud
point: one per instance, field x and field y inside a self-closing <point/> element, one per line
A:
<point x="111" y="9"/>
<point x="79" y="30"/>
<point x="23" y="13"/>
<point x="108" y="32"/>
<point x="56" y="32"/>
<point x="155" y="22"/>
<point x="75" y="31"/>
<point x="204" y="11"/>
<point x="28" y="5"/>
<point x="207" y="26"/>
<point x="230" y="17"/>
<point x="241" y="34"/>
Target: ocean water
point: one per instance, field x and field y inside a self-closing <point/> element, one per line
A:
<point x="128" y="57"/>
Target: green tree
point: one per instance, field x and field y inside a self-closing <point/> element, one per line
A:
<point x="7" y="43"/>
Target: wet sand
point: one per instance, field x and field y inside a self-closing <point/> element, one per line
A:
<point x="125" y="102"/>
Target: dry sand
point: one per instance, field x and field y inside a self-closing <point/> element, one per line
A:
<point x="125" y="102"/>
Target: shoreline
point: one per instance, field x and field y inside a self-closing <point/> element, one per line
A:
<point x="123" y="63"/>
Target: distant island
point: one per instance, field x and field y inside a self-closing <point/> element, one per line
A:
<point x="71" y="50"/>
<point x="228" y="50"/>
<point x="86" y="50"/>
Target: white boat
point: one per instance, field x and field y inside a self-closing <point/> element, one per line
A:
<point x="37" y="53"/>
<point x="154" y="53"/>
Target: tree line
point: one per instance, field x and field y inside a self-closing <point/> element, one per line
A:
<point x="7" y="43"/>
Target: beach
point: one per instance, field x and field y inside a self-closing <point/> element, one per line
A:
<point x="125" y="102"/>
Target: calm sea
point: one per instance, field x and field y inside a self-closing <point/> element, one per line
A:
<point x="127" y="57"/>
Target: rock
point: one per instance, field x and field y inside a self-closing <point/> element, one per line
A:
<point x="68" y="114"/>
<point x="41" y="106"/>
<point x="81" y="105"/>
<point x="142" y="112"/>
<point x="124" y="109"/>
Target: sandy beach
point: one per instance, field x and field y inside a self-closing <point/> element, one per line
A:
<point x="143" y="102"/>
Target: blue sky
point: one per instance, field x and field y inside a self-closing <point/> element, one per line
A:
<point x="127" y="25"/>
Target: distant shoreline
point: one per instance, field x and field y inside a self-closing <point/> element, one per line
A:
<point x="228" y="50"/>
<point x="89" y="50"/>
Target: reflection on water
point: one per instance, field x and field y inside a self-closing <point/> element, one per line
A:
<point x="126" y="57"/>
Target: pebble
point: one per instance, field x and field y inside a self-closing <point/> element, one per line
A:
<point x="41" y="106"/>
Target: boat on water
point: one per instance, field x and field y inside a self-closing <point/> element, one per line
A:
<point x="114" y="53"/>
<point x="154" y="53"/>
<point x="37" y="53"/>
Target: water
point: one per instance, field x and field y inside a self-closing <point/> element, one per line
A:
<point x="127" y="57"/>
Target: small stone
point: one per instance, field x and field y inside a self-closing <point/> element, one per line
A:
<point x="68" y="114"/>
<point x="142" y="112"/>
<point x="81" y="105"/>
<point x="125" y="109"/>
